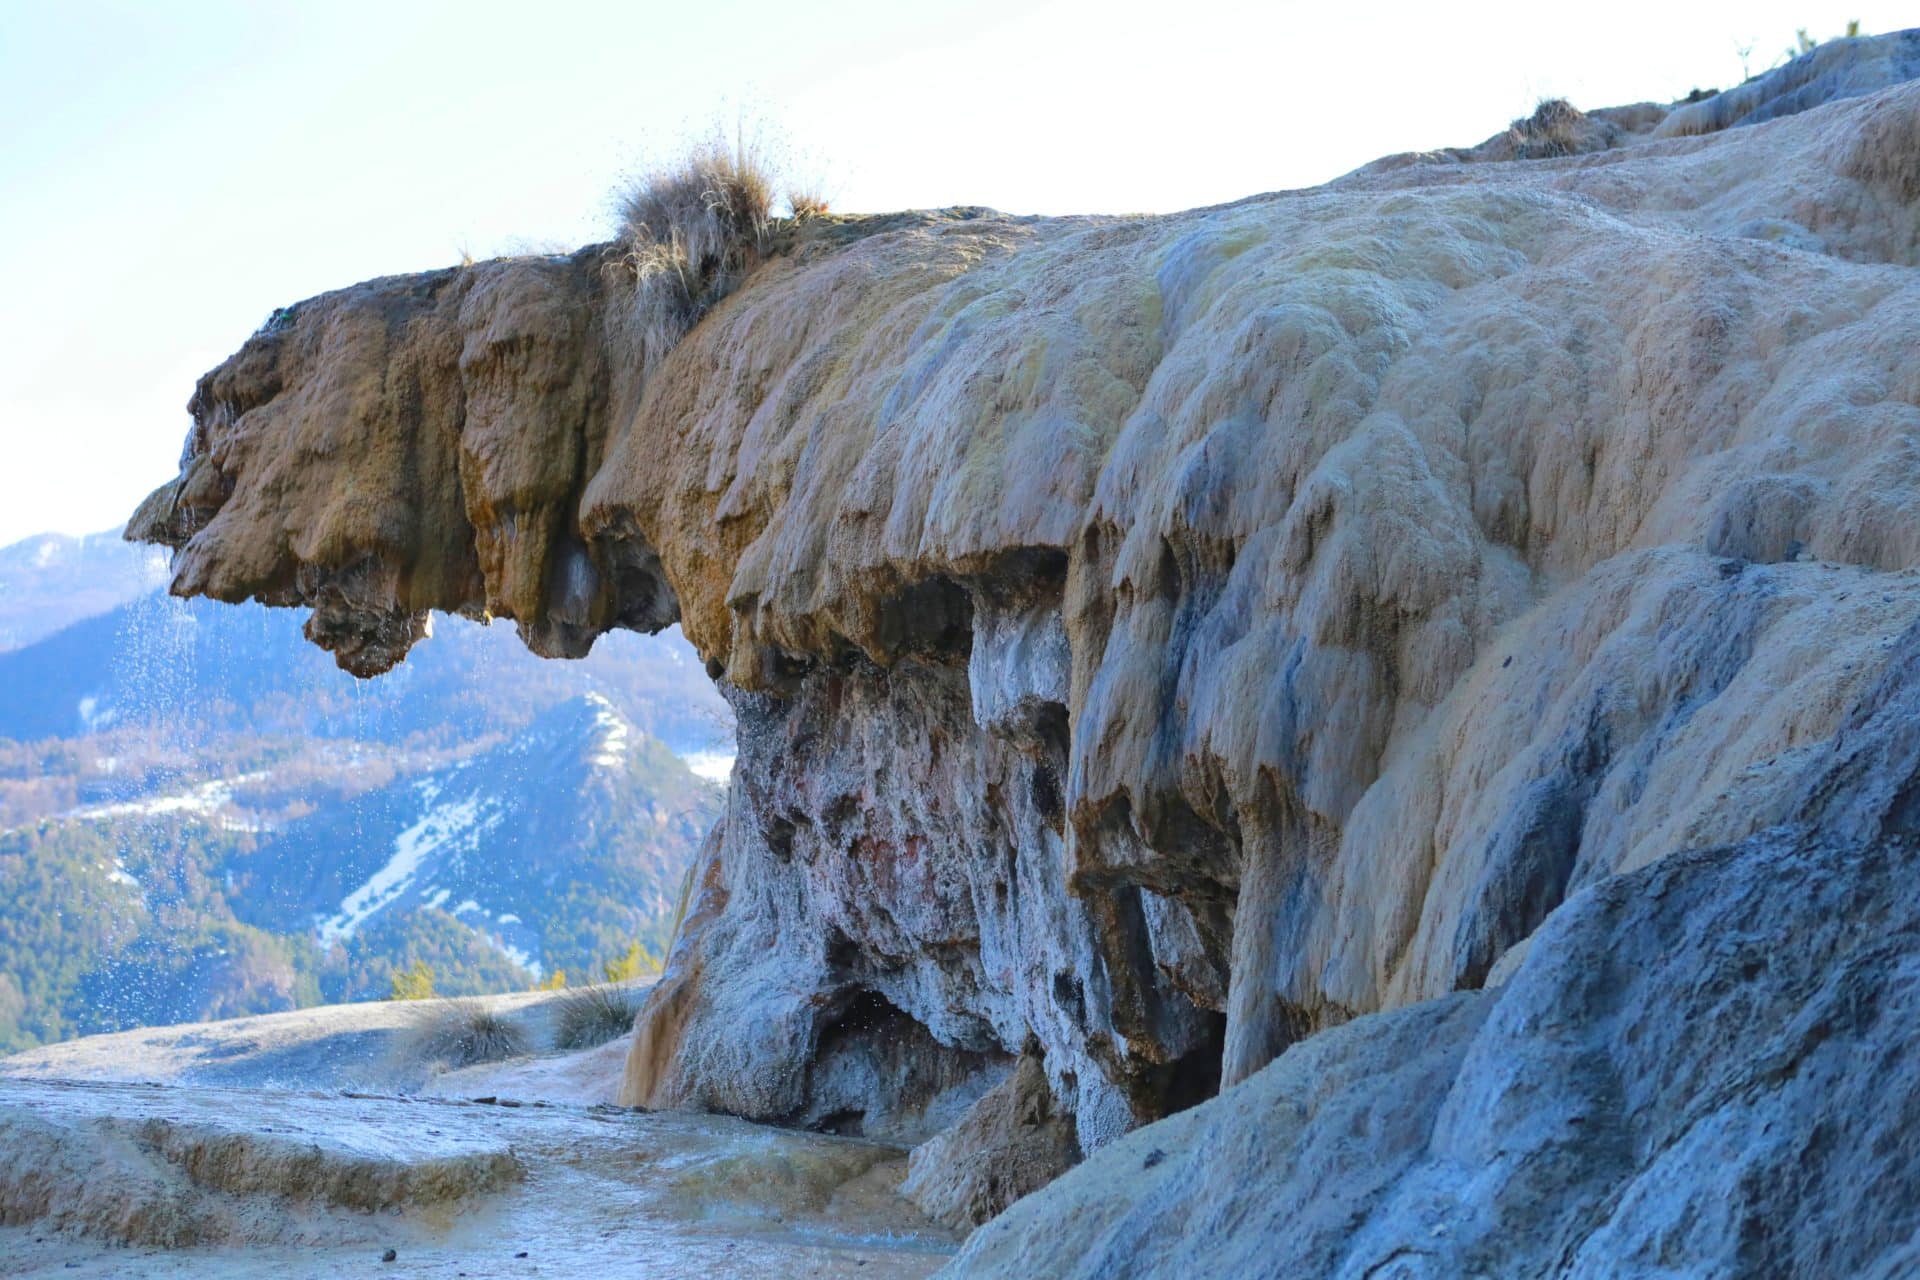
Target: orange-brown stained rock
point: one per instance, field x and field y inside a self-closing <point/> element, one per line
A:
<point x="409" y="444"/>
<point x="673" y="999"/>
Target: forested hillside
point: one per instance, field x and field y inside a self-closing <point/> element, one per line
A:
<point x="200" y="816"/>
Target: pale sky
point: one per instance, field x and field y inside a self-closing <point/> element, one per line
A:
<point x="171" y="173"/>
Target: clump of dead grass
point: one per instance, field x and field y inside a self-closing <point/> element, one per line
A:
<point x="691" y="230"/>
<point x="458" y="1033"/>
<point x="805" y="202"/>
<point x="590" y="1016"/>
<point x="1553" y="129"/>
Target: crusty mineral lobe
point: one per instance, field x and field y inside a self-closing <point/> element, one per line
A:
<point x="1159" y="639"/>
<point x="1011" y="1143"/>
<point x="410" y="444"/>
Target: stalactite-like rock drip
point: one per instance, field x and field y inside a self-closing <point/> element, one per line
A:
<point x="1154" y="640"/>
<point x="417" y="443"/>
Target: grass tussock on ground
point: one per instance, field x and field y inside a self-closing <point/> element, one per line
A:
<point x="1552" y="130"/>
<point x="458" y="1033"/>
<point x="590" y="1016"/>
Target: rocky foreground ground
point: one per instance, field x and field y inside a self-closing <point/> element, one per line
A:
<point x="514" y="1168"/>
<point x="127" y="1179"/>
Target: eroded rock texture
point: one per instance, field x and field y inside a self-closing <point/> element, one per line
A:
<point x="1704" y="1067"/>
<point x="1158" y="640"/>
<point x="1013" y="1142"/>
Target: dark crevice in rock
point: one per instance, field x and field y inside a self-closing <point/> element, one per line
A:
<point x="642" y="600"/>
<point x="1194" y="1076"/>
<point x="1903" y="814"/>
<point x="1044" y="790"/>
<point x="876" y="1072"/>
<point x="779" y="837"/>
<point x="931" y="620"/>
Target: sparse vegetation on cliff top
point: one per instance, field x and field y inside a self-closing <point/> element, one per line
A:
<point x="692" y="230"/>
<point x="1552" y="130"/>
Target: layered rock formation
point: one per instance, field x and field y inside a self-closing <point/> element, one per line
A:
<point x="1157" y="641"/>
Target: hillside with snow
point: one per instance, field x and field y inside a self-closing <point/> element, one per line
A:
<point x="201" y="817"/>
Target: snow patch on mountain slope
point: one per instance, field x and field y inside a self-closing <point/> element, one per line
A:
<point x="519" y="955"/>
<point x="451" y="828"/>
<point x="614" y="733"/>
<point x="714" y="766"/>
<point x="202" y="800"/>
<point x="94" y="716"/>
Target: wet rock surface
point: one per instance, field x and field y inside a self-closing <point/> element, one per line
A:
<point x="249" y="1181"/>
<point x="1703" y="1067"/>
<point x="1164" y="641"/>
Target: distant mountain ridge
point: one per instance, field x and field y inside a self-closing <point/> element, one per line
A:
<point x="203" y="669"/>
<point x="52" y="580"/>
<point x="580" y="803"/>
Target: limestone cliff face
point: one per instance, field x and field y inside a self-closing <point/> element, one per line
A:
<point x="1156" y="640"/>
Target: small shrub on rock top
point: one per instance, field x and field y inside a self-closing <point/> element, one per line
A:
<point x="805" y="203"/>
<point x="1552" y="130"/>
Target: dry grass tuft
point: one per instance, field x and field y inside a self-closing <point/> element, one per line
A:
<point x="590" y="1016"/>
<point x="806" y="203"/>
<point x="1552" y="130"/>
<point x="692" y="231"/>
<point x="458" y="1033"/>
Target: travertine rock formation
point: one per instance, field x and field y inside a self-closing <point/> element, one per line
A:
<point x="138" y="1176"/>
<point x="1704" y="1067"/>
<point x="1160" y="640"/>
<point x="1012" y="1142"/>
<point x="97" y="1176"/>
